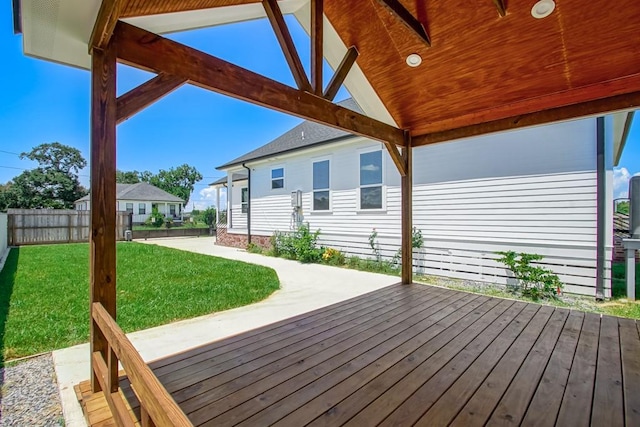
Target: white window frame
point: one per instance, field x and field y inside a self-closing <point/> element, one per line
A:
<point x="142" y="206"/>
<point x="244" y="204"/>
<point x="382" y="186"/>
<point x="328" y="189"/>
<point x="283" y="178"/>
<point x="126" y="207"/>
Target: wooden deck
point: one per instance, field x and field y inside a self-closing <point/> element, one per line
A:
<point x="415" y="355"/>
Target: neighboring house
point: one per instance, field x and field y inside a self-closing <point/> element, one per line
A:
<point x="532" y="190"/>
<point x="141" y="199"/>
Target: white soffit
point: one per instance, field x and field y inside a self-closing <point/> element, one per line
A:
<point x="59" y="30"/>
<point x="621" y="122"/>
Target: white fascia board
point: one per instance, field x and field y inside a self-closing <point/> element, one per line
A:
<point x="59" y="30"/>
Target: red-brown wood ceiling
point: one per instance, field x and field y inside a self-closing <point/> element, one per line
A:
<point x="481" y="67"/>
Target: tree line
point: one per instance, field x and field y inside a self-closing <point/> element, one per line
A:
<point x="55" y="183"/>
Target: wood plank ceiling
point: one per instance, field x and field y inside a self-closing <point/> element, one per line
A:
<point x="481" y="66"/>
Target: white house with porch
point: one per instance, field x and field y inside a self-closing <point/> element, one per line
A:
<point x="537" y="190"/>
<point x="141" y="199"/>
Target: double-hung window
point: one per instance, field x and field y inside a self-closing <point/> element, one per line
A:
<point x="244" y="199"/>
<point x="172" y="210"/>
<point x="321" y="185"/>
<point x="371" y="180"/>
<point x="129" y="207"/>
<point x="142" y="208"/>
<point x="277" y="178"/>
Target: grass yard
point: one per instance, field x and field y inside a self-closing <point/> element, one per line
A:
<point x="44" y="292"/>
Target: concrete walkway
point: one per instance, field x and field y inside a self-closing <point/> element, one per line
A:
<point x="304" y="287"/>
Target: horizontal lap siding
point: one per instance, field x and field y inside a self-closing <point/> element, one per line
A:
<point x="529" y="191"/>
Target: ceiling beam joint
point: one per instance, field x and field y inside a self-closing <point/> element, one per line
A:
<point x="502" y="9"/>
<point x="407" y="19"/>
<point x="286" y="43"/>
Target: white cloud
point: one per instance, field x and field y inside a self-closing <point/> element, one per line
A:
<point x="206" y="198"/>
<point x="370" y="168"/>
<point x="621" y="177"/>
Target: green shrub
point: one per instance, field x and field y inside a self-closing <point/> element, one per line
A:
<point x="534" y="282"/>
<point x="254" y="249"/>
<point x="300" y="245"/>
<point x="156" y="219"/>
<point x="353" y="262"/>
<point x="416" y="238"/>
<point x="333" y="256"/>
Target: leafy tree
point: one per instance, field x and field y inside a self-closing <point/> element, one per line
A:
<point x="53" y="184"/>
<point x="127" y="177"/>
<point x="623" y="207"/>
<point x="177" y="181"/>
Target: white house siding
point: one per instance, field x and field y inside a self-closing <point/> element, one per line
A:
<point x="238" y="218"/>
<point x="531" y="190"/>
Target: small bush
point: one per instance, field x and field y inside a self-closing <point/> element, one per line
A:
<point x="417" y="241"/>
<point x="254" y="249"/>
<point x="534" y="282"/>
<point x="300" y="245"/>
<point x="156" y="219"/>
<point x="353" y="262"/>
<point x="333" y="256"/>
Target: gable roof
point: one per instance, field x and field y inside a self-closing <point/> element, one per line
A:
<point x="141" y="191"/>
<point x="305" y="135"/>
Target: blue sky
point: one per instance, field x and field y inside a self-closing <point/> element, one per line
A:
<point x="46" y="102"/>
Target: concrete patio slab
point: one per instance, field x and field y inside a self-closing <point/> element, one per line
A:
<point x="304" y="287"/>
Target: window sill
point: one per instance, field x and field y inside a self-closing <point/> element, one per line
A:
<point x="372" y="211"/>
<point x="329" y="212"/>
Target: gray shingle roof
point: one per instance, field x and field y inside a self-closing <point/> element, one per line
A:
<point x="305" y="135"/>
<point x="141" y="191"/>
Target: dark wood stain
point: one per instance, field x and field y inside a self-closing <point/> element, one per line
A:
<point x="411" y="355"/>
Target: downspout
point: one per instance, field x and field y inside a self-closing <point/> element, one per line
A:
<point x="248" y="203"/>
<point x="601" y="208"/>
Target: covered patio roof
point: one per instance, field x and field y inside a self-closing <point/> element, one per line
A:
<point x="480" y="71"/>
<point x="480" y="67"/>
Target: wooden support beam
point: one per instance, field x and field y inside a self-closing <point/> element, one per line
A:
<point x="406" y="184"/>
<point x="286" y="43"/>
<point x="502" y="9"/>
<point x="341" y="73"/>
<point x="407" y="19"/>
<point x="615" y="103"/>
<point x="317" y="55"/>
<point x="396" y="156"/>
<point x="102" y="237"/>
<point x="143" y="49"/>
<point x="106" y="21"/>
<point x="139" y="98"/>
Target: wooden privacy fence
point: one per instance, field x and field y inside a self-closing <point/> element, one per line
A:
<point x="41" y="226"/>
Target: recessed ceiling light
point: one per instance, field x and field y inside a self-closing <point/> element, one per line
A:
<point x="543" y="8"/>
<point x="414" y="60"/>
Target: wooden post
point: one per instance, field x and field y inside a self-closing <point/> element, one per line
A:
<point x="407" y="213"/>
<point x="103" y="199"/>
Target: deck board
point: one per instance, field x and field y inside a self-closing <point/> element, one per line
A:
<point x="412" y="355"/>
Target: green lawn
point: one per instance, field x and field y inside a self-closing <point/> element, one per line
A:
<point x="44" y="292"/>
<point x="619" y="290"/>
